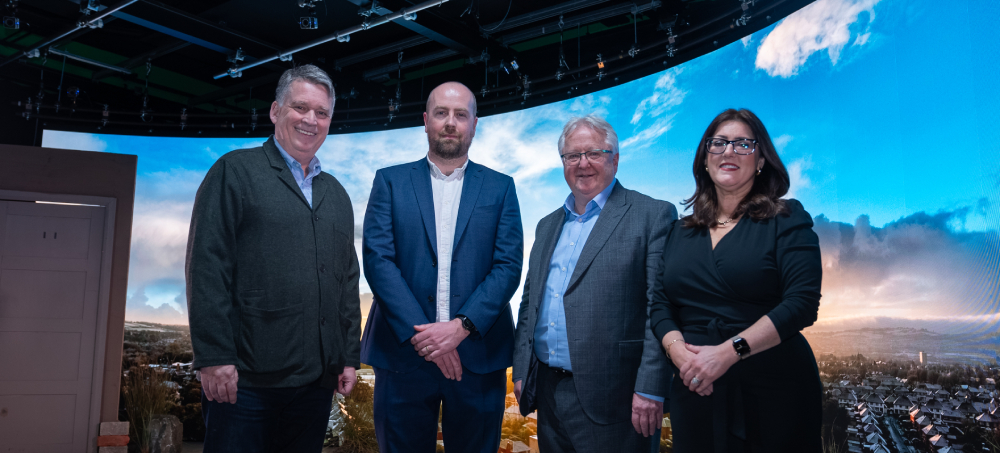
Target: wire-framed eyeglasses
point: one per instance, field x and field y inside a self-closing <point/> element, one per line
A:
<point x="743" y="146"/>
<point x="593" y="155"/>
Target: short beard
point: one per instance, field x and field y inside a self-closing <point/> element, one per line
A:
<point x="448" y="150"/>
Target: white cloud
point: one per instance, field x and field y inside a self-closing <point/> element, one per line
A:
<point x="823" y="25"/>
<point x="782" y="141"/>
<point x="746" y="40"/>
<point x="798" y="179"/>
<point x="648" y="134"/>
<point x="72" y="140"/>
<point x="665" y="95"/>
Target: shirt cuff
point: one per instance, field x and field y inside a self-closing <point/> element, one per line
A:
<point x="658" y="399"/>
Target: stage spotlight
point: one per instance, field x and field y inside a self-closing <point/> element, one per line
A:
<point x="11" y="22"/>
<point x="513" y="64"/>
<point x="308" y="23"/>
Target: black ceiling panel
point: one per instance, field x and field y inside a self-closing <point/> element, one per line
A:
<point x="382" y="73"/>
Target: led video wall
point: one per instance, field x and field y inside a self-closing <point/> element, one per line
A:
<point x="884" y="113"/>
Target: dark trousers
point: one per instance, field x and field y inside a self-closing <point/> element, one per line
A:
<point x="563" y="426"/>
<point x="407" y="406"/>
<point x="268" y="420"/>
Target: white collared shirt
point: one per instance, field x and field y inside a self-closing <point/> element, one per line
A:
<point x="447" y="191"/>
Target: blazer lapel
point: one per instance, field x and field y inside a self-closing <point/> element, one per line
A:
<point x="284" y="173"/>
<point x="470" y="194"/>
<point x="421" y="178"/>
<point x="551" y="229"/>
<point x="607" y="221"/>
<point x="319" y="190"/>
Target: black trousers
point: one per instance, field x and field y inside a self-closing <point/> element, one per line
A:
<point x="563" y="426"/>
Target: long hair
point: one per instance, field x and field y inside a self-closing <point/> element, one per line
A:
<point x="764" y="199"/>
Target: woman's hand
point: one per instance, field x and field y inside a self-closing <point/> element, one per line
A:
<point x="707" y="363"/>
<point x="680" y="355"/>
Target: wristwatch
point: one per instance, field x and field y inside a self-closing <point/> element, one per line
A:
<point x="466" y="323"/>
<point x="742" y="347"/>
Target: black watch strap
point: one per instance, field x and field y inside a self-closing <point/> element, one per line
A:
<point x="742" y="347"/>
<point x="467" y="323"/>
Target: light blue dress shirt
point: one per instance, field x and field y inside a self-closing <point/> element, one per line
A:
<point x="551" y="345"/>
<point x="304" y="181"/>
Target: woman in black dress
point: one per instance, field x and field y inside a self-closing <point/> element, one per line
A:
<point x="740" y="278"/>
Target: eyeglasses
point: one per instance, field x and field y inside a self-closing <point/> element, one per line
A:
<point x="593" y="155"/>
<point x="742" y="146"/>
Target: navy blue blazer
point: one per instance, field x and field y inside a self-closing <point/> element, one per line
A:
<point x="400" y="263"/>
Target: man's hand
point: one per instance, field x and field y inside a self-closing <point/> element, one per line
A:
<point x="517" y="391"/>
<point x="219" y="383"/>
<point x="450" y="365"/>
<point x="647" y="414"/>
<point x="346" y="380"/>
<point x="438" y="338"/>
<point x="708" y="364"/>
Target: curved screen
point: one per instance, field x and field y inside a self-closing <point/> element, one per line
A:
<point x="884" y="113"/>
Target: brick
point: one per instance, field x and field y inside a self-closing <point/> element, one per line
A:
<point x="121" y="449"/>
<point x="114" y="429"/>
<point x="112" y="441"/>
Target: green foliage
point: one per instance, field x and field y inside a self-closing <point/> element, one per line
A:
<point x="144" y="394"/>
<point x="359" y="428"/>
<point x="189" y="411"/>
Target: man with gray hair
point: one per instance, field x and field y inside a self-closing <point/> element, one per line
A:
<point x="584" y="354"/>
<point x="272" y="282"/>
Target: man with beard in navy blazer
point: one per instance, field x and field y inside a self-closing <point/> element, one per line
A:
<point x="442" y="252"/>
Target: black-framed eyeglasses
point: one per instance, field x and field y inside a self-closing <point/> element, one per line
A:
<point x="593" y="155"/>
<point x="743" y="146"/>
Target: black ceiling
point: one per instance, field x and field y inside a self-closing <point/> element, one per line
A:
<point x="382" y="72"/>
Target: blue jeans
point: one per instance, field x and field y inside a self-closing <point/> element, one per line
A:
<point x="268" y="420"/>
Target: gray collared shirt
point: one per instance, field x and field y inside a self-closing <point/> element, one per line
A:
<point x="304" y="181"/>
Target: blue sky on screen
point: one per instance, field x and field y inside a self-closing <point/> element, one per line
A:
<point x="881" y="110"/>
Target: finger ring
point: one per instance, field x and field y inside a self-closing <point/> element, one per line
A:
<point x="695" y="380"/>
<point x="425" y="349"/>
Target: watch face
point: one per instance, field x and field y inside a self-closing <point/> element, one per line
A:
<point x="741" y="346"/>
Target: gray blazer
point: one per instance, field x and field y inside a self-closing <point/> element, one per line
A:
<point x="611" y="347"/>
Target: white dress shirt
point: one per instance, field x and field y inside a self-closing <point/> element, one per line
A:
<point x="447" y="192"/>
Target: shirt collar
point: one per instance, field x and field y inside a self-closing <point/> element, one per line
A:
<point x="314" y="166"/>
<point x="437" y="174"/>
<point x="596" y="204"/>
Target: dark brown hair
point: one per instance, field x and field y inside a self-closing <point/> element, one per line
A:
<point x="763" y="201"/>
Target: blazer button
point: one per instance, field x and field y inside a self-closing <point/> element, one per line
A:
<point x="322" y="321"/>
<point x="322" y="268"/>
<point x="316" y="218"/>
<point x="430" y="299"/>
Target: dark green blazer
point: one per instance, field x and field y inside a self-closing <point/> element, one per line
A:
<point x="272" y="284"/>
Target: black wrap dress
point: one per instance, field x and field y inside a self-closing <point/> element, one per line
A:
<point x="772" y="401"/>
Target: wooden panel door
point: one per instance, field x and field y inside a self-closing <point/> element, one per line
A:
<point x="50" y="265"/>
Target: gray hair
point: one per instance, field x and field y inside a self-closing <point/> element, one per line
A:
<point x="595" y="123"/>
<point x="308" y="73"/>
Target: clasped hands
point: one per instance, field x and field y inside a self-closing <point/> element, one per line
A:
<point x="706" y="363"/>
<point x="436" y="342"/>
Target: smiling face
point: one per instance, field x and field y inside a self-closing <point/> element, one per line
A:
<point x="302" y="123"/>
<point x="450" y="120"/>
<point x="731" y="172"/>
<point x="586" y="179"/>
